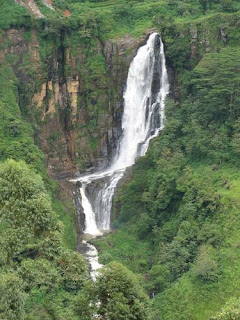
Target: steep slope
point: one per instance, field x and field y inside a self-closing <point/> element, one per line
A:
<point x="176" y="217"/>
<point x="71" y="81"/>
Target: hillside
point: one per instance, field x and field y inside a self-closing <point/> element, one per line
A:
<point x="173" y="252"/>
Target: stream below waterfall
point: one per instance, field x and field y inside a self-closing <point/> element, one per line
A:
<point x="143" y="118"/>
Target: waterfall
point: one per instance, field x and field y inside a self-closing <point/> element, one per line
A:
<point x="143" y="117"/>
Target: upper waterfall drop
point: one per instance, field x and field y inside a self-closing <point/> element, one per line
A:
<point x="144" y="98"/>
<point x="143" y="117"/>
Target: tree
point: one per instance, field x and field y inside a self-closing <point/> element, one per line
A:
<point x="216" y="88"/>
<point x="205" y="267"/>
<point x="204" y="5"/>
<point x="39" y="273"/>
<point x="72" y="267"/>
<point x="12" y="297"/>
<point x="180" y="252"/>
<point x="32" y="248"/>
<point x="119" y="296"/>
<point x="27" y="220"/>
<point x="227" y="5"/>
<point x="158" y="279"/>
<point x="231" y="311"/>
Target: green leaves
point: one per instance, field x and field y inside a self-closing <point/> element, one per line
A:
<point x="205" y="267"/>
<point x="119" y="294"/>
<point x="231" y="311"/>
<point x="12" y="296"/>
<point x="24" y="208"/>
<point x="32" y="246"/>
<point x="39" y="273"/>
<point x="72" y="266"/>
<point x="16" y="140"/>
<point x="216" y="84"/>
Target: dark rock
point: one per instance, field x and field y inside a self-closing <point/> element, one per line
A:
<point x="194" y="36"/>
<point x="156" y="70"/>
<point x="76" y="174"/>
<point x="223" y="35"/>
<point x="94" y="101"/>
<point x="208" y="48"/>
<point x="224" y="182"/>
<point x="78" y="184"/>
<point x="80" y="213"/>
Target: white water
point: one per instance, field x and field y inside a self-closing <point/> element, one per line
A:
<point x="143" y="118"/>
<point x="92" y="257"/>
<point x="90" y="221"/>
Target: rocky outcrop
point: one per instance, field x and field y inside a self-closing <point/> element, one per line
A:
<point x="194" y="39"/>
<point x="49" y="4"/>
<point x="32" y="7"/>
<point x="80" y="214"/>
<point x="73" y="95"/>
<point x="157" y="71"/>
<point x="223" y="35"/>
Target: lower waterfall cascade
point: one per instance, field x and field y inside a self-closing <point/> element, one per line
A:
<point x="143" y="118"/>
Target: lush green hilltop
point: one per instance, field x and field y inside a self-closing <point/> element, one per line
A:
<point x="134" y="16"/>
<point x="176" y="218"/>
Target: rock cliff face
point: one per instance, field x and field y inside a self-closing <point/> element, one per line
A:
<point x="32" y="7"/>
<point x="71" y="92"/>
<point x="71" y="86"/>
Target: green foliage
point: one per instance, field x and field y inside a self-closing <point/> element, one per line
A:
<point x="83" y="306"/>
<point x="39" y="273"/>
<point x="67" y="215"/>
<point x="216" y="80"/>
<point x="13" y="15"/>
<point x="205" y="267"/>
<point x="179" y="253"/>
<point x="116" y="294"/>
<point x="25" y="210"/>
<point x="15" y="134"/>
<point x="230" y="312"/>
<point x="72" y="267"/>
<point x="179" y="214"/>
<point x="119" y="294"/>
<point x="158" y="278"/>
<point x="123" y="17"/>
<point x="123" y="246"/>
<point x="12" y="296"/>
<point x="181" y="201"/>
<point x="32" y="248"/>
<point x="16" y="142"/>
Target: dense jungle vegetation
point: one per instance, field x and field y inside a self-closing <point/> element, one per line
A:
<point x="176" y="220"/>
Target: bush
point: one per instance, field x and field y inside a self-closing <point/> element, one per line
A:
<point x="205" y="267"/>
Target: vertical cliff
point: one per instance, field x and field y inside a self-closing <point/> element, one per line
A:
<point x="71" y="88"/>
